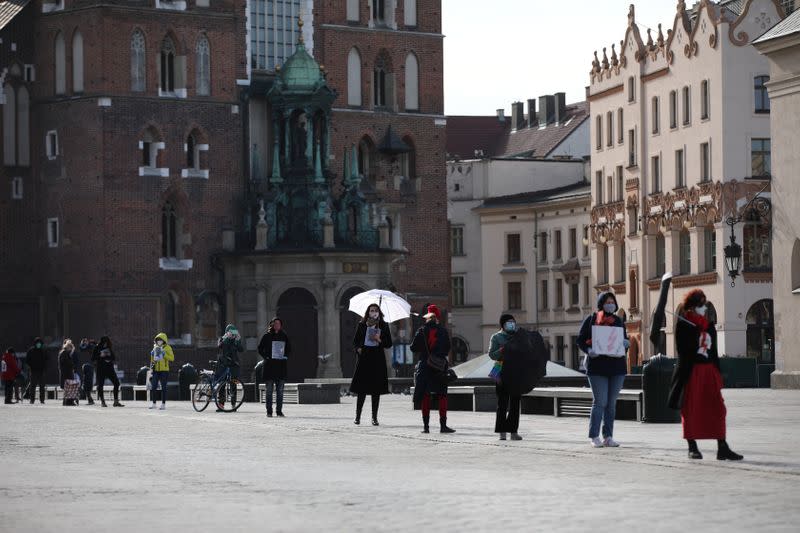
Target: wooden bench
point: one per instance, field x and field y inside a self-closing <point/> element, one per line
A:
<point x="305" y="393"/>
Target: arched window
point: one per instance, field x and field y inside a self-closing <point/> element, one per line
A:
<point x="379" y="84"/>
<point x="408" y="160"/>
<point x="761" y="332"/>
<point x="77" y="62"/>
<point x="410" y="13"/>
<point x="23" y="127"/>
<point x="61" y="64"/>
<point x="167" y="66"/>
<point x="169" y="231"/>
<point x="610" y="129"/>
<point x="354" y="78"/>
<point x="138" y="62"/>
<point x="203" y="67"/>
<point x="10" y="127"/>
<point x="412" y="83"/>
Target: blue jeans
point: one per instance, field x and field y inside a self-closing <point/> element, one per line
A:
<point x="155" y="379"/>
<point x="605" y="390"/>
<point x="277" y="384"/>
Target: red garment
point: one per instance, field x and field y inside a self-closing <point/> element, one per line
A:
<point x="431" y="339"/>
<point x="10" y="367"/>
<point x="703" y="412"/>
<point x="603" y="319"/>
<point x="425" y="407"/>
<point x="704" y="339"/>
<point x="700" y="321"/>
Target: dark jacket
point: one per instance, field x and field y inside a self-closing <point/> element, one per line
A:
<point x="229" y="351"/>
<point x="371" y="375"/>
<point x="601" y="365"/>
<point x="37" y="357"/>
<point x="66" y="367"/>
<point x="687" y="341"/>
<point x="428" y="380"/>
<point x="274" y="368"/>
<point x="103" y="356"/>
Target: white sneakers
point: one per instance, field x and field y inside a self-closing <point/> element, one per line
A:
<point x="152" y="406"/>
<point x="608" y="442"/>
<point x="163" y="406"/>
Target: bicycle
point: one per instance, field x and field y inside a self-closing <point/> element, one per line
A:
<point x="226" y="391"/>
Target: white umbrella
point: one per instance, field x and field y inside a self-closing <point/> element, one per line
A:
<point x="392" y="306"/>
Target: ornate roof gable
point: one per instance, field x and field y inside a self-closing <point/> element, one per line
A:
<point x="742" y="38"/>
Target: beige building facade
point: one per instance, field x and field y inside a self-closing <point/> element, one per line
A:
<point x="681" y="143"/>
<point x="782" y="46"/>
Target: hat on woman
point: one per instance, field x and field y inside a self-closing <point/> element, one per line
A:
<point x="433" y="311"/>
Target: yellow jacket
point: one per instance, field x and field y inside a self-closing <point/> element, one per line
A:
<point x="162" y="365"/>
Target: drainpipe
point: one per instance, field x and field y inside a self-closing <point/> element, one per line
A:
<point x="535" y="270"/>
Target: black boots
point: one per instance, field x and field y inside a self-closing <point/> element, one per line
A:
<point x="694" y="452"/>
<point x="357" y="421"/>
<point x="376" y="402"/>
<point x="724" y="453"/>
<point x="443" y="426"/>
<point x="426" y="420"/>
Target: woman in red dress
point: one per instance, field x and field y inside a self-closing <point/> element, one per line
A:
<point x="697" y="381"/>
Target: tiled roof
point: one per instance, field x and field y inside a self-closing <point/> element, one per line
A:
<point x="787" y="26"/>
<point x="9" y="9"/>
<point x="564" y="192"/>
<point x="466" y="135"/>
<point x="735" y="6"/>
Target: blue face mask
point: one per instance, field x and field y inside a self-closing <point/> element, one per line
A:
<point x="609" y="308"/>
<point x="510" y="326"/>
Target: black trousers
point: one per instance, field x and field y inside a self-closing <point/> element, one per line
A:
<point x="507" y="419"/>
<point x="37" y="378"/>
<point x="104" y="372"/>
<point x="376" y="402"/>
<point x="9" y="386"/>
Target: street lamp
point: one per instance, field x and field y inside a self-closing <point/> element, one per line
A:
<point x="733" y="256"/>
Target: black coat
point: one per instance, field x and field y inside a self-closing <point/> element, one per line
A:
<point x="66" y="367"/>
<point x="687" y="341"/>
<point x="36" y="359"/>
<point x="524" y="362"/>
<point x="371" y="375"/>
<point x="274" y="368"/>
<point x="229" y="352"/>
<point x="427" y="379"/>
<point x="99" y="360"/>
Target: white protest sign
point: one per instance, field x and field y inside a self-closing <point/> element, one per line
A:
<point x="608" y="340"/>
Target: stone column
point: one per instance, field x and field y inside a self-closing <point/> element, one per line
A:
<point x="327" y="233"/>
<point x="329" y="332"/>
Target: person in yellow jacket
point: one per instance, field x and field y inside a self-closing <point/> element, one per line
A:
<point x="160" y="357"/>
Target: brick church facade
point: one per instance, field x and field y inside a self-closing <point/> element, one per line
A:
<point x="149" y="140"/>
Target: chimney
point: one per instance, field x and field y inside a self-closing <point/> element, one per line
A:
<point x="546" y="110"/>
<point x="501" y="115"/>
<point x="517" y="115"/>
<point x="561" y="107"/>
<point x="532" y="112"/>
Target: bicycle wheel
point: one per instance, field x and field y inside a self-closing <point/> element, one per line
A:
<point x="201" y="395"/>
<point x="230" y="395"/>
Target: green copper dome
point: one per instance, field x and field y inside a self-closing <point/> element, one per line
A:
<point x="301" y="72"/>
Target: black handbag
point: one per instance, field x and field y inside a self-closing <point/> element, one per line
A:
<point x="435" y="362"/>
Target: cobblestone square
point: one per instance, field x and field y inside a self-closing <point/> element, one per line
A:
<point x="132" y="469"/>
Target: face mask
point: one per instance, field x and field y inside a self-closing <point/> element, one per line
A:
<point x="701" y="310"/>
<point x="510" y="326"/>
<point x="609" y="308"/>
<point x="373" y="314"/>
<point x="38" y="344"/>
<point x="160" y="342"/>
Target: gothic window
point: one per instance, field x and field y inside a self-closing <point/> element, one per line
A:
<point x="137" y="62"/>
<point x="412" y="83"/>
<point x="354" y="77"/>
<point x="379" y="85"/>
<point x="77" y="62"/>
<point x="408" y="160"/>
<point x="167" y="64"/>
<point x="203" y="66"/>
<point x="705" y="100"/>
<point x="599" y="132"/>
<point x="687" y="107"/>
<point x="610" y="129"/>
<point x="620" y="126"/>
<point x="673" y="109"/>
<point x="61" y="64"/>
<point x="656" y="116"/>
<point x="169" y="233"/>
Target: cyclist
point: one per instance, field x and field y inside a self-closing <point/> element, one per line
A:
<point x="230" y="344"/>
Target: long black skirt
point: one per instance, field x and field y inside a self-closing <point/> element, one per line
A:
<point x="371" y="375"/>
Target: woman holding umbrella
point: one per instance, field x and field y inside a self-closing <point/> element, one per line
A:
<point x="697" y="382"/>
<point x="371" y="376"/>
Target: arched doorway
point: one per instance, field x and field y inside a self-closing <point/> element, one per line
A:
<point x="298" y="309"/>
<point x="347" y="327"/>
<point x="761" y="332"/>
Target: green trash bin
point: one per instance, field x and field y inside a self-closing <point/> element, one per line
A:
<point x="656" y="382"/>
